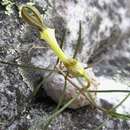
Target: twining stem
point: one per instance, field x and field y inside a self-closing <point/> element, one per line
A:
<point x="32" y="16"/>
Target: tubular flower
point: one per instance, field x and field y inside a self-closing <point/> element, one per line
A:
<point x="33" y="17"/>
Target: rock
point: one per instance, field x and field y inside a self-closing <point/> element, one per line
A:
<point x="105" y="44"/>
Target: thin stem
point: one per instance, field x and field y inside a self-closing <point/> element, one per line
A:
<point x="45" y="69"/>
<point x="81" y="92"/>
<point x="58" y="106"/>
<point x="78" y="41"/>
<point x="36" y="89"/>
<point x="109" y="91"/>
<point x="86" y="91"/>
<point x="121" y="102"/>
<point x="59" y="111"/>
<point x="26" y="66"/>
<point x="62" y="43"/>
<point x="113" y="114"/>
<point x="118" y="115"/>
<point x="62" y="96"/>
<point x="100" y="126"/>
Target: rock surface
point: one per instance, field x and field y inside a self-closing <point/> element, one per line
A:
<point x="105" y="44"/>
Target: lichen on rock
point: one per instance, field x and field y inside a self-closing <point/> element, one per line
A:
<point x="8" y="4"/>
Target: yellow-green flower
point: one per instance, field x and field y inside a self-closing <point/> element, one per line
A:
<point x="48" y="35"/>
<point x="32" y="16"/>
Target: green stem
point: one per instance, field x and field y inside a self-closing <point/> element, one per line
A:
<point x="59" y="111"/>
<point x="121" y="102"/>
<point x="27" y="66"/>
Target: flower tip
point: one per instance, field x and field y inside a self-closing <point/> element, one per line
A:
<point x="32" y="16"/>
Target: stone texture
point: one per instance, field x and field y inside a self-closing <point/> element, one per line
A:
<point x="105" y="42"/>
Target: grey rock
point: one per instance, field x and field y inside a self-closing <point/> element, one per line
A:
<point x="105" y="44"/>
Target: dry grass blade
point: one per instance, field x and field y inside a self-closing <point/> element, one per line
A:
<point x="62" y="43"/>
<point x="78" y="41"/>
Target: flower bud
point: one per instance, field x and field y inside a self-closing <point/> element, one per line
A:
<point x="32" y="16"/>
